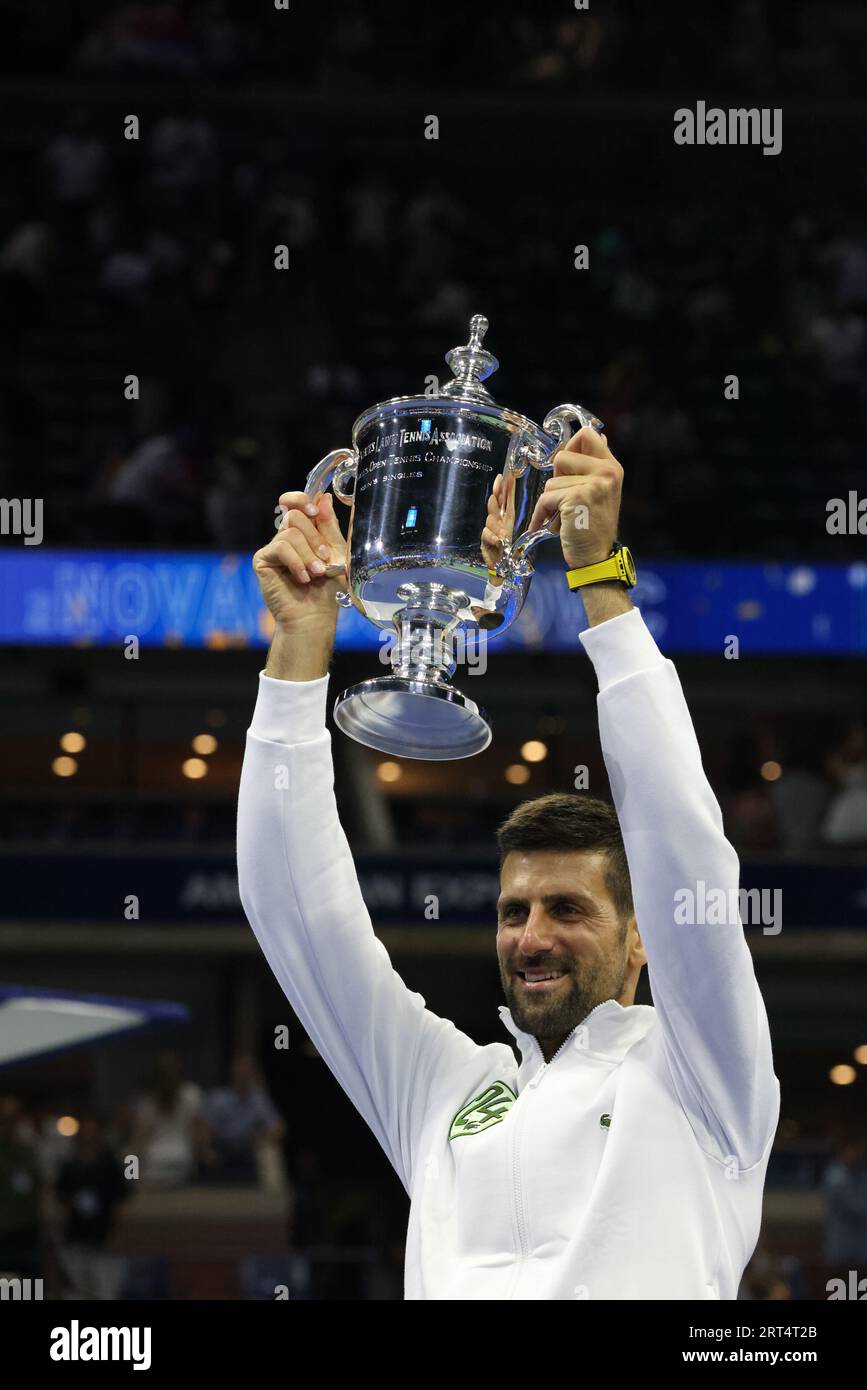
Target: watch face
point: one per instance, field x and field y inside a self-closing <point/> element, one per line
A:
<point x="629" y="565"/>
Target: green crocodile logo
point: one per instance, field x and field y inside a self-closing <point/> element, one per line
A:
<point x="483" y="1111"/>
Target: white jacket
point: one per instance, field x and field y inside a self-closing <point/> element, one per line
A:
<point x="630" y="1166"/>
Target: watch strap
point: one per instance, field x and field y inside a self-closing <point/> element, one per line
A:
<point x="612" y="568"/>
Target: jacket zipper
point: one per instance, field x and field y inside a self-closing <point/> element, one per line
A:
<point x="517" y="1187"/>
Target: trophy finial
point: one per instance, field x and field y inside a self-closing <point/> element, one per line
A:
<point x="478" y="328"/>
<point x="471" y="364"/>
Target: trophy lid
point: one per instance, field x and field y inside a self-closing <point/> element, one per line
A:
<point x="471" y="364"/>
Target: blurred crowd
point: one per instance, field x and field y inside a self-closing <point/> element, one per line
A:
<point x="772" y="1275"/>
<point x="65" y="1179"/>
<point x="337" y="41"/>
<point x="815" y="797"/>
<point x="155" y="257"/>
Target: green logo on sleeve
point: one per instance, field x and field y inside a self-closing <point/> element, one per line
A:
<point x="483" y="1111"/>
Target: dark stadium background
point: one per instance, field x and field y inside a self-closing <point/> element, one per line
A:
<point x="155" y="256"/>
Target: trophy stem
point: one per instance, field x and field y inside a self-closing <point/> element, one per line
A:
<point x="422" y="648"/>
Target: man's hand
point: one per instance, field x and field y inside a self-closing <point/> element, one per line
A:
<point x="584" y="498"/>
<point x="291" y="574"/>
<point x="291" y="567"/>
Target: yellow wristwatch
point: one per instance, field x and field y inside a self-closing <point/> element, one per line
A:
<point x="619" y="565"/>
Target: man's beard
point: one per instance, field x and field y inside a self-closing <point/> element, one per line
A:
<point x="555" y="1018"/>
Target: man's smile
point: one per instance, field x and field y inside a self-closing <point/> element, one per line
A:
<point x="538" y="979"/>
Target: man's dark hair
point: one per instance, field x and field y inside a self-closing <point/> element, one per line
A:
<point x="563" y="820"/>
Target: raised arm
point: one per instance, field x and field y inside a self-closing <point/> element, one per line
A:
<point x="297" y="878"/>
<point x="713" y="1018"/>
<point x="714" y="1026"/>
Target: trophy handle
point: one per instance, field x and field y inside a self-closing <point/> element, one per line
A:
<point x="337" y="469"/>
<point x="558" y="423"/>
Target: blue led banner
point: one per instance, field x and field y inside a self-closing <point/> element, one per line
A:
<point x="200" y="599"/>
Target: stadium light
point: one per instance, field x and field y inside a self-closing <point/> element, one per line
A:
<point x="534" y="750"/>
<point x="389" y="772"/>
<point x="194" y="768"/>
<point x="842" y="1075"/>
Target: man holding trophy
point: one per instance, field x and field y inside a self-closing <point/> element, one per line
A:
<point x="624" y="1155"/>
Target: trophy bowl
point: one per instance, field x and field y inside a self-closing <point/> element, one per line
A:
<point x="418" y="479"/>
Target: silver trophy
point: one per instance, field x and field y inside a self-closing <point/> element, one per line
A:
<point x="418" y="478"/>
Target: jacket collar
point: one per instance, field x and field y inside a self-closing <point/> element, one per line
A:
<point x="608" y="1031"/>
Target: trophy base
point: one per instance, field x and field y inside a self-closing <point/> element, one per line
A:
<point x="412" y="719"/>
